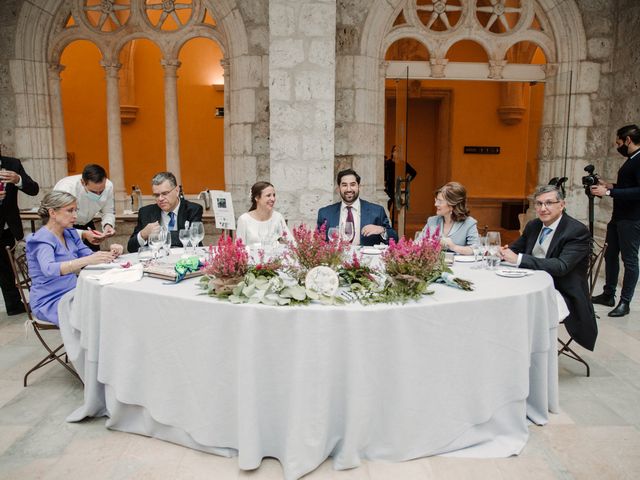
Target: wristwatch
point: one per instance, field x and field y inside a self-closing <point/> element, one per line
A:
<point x="608" y="193"/>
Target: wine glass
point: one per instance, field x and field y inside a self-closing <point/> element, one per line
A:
<point x="167" y="241"/>
<point x="482" y="251"/>
<point x="196" y="232"/>
<point x="156" y="240"/>
<point x="185" y="237"/>
<point x="476" y="246"/>
<point x="348" y="231"/>
<point x="493" y="246"/>
<point x="333" y="233"/>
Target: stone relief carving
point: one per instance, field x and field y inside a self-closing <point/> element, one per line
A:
<point x="106" y="15"/>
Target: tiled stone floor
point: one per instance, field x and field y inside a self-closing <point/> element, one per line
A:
<point x="596" y="435"/>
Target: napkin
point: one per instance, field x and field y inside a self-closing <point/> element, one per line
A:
<point x="453" y="281"/>
<point x="122" y="275"/>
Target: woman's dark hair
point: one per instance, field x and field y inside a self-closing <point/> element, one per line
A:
<point x="455" y="195"/>
<point x="54" y="200"/>
<point x="256" y="192"/>
<point x="93" y="173"/>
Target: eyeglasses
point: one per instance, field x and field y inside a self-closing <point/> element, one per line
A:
<point x="163" y="194"/>
<point x="547" y="204"/>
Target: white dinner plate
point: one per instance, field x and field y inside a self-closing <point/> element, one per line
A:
<point x="464" y="258"/>
<point x="513" y="273"/>
<point x="370" y="251"/>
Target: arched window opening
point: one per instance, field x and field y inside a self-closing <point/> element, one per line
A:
<point x="407" y="49"/>
<point x="200" y="96"/>
<point x="83" y="90"/>
<point x="467" y="51"/>
<point x="142" y="87"/>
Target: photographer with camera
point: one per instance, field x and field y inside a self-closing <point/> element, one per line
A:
<point x="623" y="230"/>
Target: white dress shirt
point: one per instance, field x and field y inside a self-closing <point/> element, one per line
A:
<point x="87" y="208"/>
<point x="547" y="240"/>
<point x="164" y="222"/>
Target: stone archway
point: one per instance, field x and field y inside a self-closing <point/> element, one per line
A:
<point x="40" y="38"/>
<point x="566" y="53"/>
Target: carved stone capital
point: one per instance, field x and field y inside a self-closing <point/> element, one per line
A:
<point x="495" y="68"/>
<point x="112" y="69"/>
<point x="224" y="63"/>
<point x="55" y="69"/>
<point x="550" y="69"/>
<point x="437" y="67"/>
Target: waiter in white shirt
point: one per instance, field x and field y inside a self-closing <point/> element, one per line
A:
<point x="94" y="193"/>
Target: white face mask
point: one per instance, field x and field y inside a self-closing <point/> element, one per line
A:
<point x="94" y="197"/>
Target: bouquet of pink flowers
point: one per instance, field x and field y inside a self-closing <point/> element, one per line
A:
<point x="422" y="259"/>
<point x="310" y="248"/>
<point x="411" y="267"/>
<point x="230" y="259"/>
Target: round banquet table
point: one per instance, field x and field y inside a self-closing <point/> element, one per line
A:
<point x="457" y="372"/>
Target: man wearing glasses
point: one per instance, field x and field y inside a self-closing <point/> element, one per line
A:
<point x="559" y="245"/>
<point x="169" y="211"/>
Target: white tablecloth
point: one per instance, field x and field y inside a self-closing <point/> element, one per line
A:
<point x="459" y="372"/>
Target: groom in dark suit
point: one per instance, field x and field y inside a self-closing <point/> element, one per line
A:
<point x="559" y="245"/>
<point x="13" y="178"/>
<point x="169" y="211"/>
<point x="371" y="224"/>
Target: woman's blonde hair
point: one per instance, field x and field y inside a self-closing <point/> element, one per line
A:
<point x="455" y="195"/>
<point x="54" y="200"/>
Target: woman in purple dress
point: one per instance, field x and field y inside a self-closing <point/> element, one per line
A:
<point x="55" y="254"/>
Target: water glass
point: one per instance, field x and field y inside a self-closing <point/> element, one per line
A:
<point x="167" y="242"/>
<point x="476" y="246"/>
<point x="156" y="241"/>
<point x="185" y="238"/>
<point x="145" y="255"/>
<point x="493" y="246"/>
<point x="196" y="232"/>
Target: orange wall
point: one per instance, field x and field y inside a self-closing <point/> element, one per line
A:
<point x="143" y="140"/>
<point x="201" y="132"/>
<point x="475" y="121"/>
<point x="84" y="105"/>
<point x="143" y="143"/>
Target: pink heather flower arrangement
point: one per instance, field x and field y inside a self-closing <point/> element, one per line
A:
<point x="420" y="259"/>
<point x="310" y="248"/>
<point x="229" y="260"/>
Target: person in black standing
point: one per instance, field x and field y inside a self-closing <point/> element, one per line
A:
<point x="12" y="178"/>
<point x="390" y="179"/>
<point x="623" y="230"/>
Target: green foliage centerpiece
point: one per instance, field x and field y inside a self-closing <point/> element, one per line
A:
<point x="410" y="267"/>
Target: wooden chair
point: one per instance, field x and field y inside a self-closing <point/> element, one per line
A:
<point x="18" y="260"/>
<point x="595" y="262"/>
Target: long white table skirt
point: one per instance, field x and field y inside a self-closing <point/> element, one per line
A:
<point x="458" y="372"/>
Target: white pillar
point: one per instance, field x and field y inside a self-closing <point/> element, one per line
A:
<point x="172" y="135"/>
<point x="116" y="168"/>
<point x="58" y="139"/>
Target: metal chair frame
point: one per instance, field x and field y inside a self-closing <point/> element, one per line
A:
<point x="20" y="269"/>
<point x="595" y="263"/>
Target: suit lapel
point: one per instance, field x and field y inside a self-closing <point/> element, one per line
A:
<point x="182" y="213"/>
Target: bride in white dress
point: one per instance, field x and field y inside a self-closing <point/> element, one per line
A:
<point x="262" y="224"/>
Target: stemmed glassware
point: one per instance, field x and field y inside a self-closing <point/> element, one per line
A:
<point x="156" y="241"/>
<point x="347" y="231"/>
<point x="333" y="232"/>
<point x="479" y="248"/>
<point x="167" y="241"/>
<point x="196" y="233"/>
<point x="493" y="247"/>
<point x="185" y="237"/>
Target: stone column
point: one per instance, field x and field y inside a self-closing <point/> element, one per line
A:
<point x="57" y="122"/>
<point x="116" y="168"/>
<point x="172" y="134"/>
<point x="302" y="105"/>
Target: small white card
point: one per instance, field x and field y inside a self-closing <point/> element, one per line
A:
<point x="223" y="209"/>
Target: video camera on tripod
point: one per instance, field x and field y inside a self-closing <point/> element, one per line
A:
<point x="590" y="180"/>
